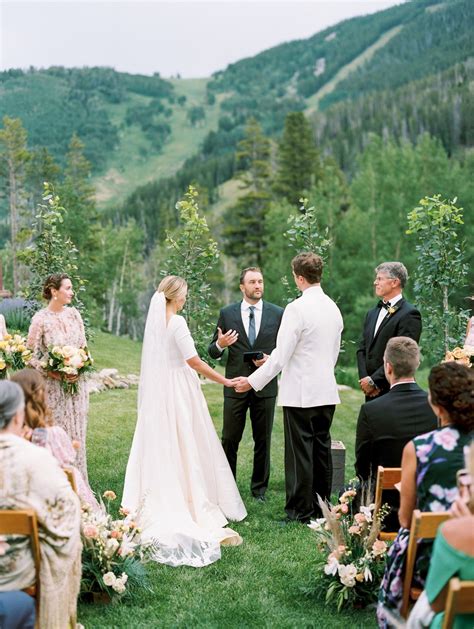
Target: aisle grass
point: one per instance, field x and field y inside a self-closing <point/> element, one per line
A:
<point x="258" y="584"/>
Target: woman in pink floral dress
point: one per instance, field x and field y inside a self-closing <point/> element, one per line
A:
<point x="61" y="324"/>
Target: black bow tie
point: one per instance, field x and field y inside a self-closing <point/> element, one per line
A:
<point x="383" y="304"/>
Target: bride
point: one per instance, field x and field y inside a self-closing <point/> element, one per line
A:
<point x="177" y="472"/>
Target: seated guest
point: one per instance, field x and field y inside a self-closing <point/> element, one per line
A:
<point x="453" y="556"/>
<point x="30" y="478"/>
<point x="44" y="433"/>
<point x="388" y="423"/>
<point x="429" y="466"/>
<point x="17" y="610"/>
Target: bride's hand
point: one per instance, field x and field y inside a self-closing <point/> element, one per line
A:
<point x="228" y="383"/>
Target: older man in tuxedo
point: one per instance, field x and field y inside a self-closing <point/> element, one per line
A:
<point x="306" y="353"/>
<point x="250" y="325"/>
<point x="392" y="316"/>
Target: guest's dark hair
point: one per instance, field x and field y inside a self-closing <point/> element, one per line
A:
<point x="37" y="413"/>
<point x="452" y="388"/>
<point x="244" y="272"/>
<point x="309" y="265"/>
<point x="53" y="281"/>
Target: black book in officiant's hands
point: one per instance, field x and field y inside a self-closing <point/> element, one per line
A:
<point x="250" y="356"/>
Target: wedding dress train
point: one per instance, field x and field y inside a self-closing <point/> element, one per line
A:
<point x="177" y="470"/>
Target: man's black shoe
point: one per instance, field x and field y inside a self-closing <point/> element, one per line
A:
<point x="260" y="497"/>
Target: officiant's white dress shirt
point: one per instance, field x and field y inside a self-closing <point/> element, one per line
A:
<point x="306" y="352"/>
<point x="383" y="312"/>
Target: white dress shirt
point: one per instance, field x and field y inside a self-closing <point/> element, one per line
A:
<point x="383" y="312"/>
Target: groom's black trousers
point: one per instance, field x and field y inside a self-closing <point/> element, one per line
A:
<point x="308" y="462"/>
<point x="261" y="417"/>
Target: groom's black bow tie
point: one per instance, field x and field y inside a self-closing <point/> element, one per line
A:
<point x="383" y="304"/>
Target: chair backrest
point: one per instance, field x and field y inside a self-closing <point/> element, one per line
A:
<point x="460" y="600"/>
<point x="23" y="522"/>
<point x="424" y="525"/>
<point x="387" y="477"/>
<point x="70" y="476"/>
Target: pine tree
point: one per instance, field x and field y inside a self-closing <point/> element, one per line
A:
<point x="298" y="159"/>
<point x="244" y="231"/>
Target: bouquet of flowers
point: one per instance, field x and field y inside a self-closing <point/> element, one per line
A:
<point x="353" y="559"/>
<point x="13" y="353"/>
<point x="463" y="355"/>
<point x="113" y="554"/>
<point x="68" y="363"/>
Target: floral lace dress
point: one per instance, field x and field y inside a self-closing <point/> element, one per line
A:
<point x="69" y="410"/>
<point x="439" y="455"/>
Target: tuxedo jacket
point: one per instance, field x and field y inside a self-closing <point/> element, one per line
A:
<point x="386" y="424"/>
<point x="406" y="321"/>
<point x="306" y="352"/>
<point x="230" y="318"/>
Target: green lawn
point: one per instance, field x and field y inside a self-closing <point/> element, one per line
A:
<point x="258" y="584"/>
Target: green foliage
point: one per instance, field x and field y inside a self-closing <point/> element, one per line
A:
<point x="50" y="251"/>
<point x="244" y="222"/>
<point x="298" y="159"/>
<point x="193" y="254"/>
<point x="440" y="271"/>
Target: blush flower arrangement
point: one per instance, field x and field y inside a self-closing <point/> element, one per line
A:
<point x="13" y="354"/>
<point x="113" y="555"/>
<point x="352" y="558"/>
<point x="463" y="355"/>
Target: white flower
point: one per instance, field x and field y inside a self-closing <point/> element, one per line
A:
<point x="119" y="586"/>
<point x="109" y="578"/>
<point x="367" y="512"/>
<point x="124" y="577"/>
<point x="451" y="494"/>
<point x="437" y="491"/>
<point x="367" y="574"/>
<point x="127" y="547"/>
<point x="110" y="547"/>
<point x="447" y="438"/>
<point x="347" y="575"/>
<point x="331" y="567"/>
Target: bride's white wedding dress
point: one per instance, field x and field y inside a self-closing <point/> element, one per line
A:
<point x="177" y="471"/>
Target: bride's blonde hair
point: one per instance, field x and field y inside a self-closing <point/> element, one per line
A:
<point x="172" y="286"/>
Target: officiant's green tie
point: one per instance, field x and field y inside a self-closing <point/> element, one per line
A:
<point x="251" y="325"/>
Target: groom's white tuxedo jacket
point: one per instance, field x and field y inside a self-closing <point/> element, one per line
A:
<point x="306" y="352"/>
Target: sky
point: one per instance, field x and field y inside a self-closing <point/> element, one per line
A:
<point x="189" y="37"/>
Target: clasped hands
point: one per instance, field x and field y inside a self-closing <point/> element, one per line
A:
<point x="367" y="388"/>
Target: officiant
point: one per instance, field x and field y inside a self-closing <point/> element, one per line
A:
<point x="248" y="329"/>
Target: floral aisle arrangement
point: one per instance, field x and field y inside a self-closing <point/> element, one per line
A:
<point x="13" y="354"/>
<point x="463" y="355"/>
<point x="113" y="554"/>
<point x="353" y="559"/>
<point x="68" y="363"/>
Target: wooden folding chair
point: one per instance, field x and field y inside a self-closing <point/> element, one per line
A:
<point x="70" y="476"/>
<point x="24" y="522"/>
<point x="387" y="477"/>
<point x="459" y="600"/>
<point x="424" y="525"/>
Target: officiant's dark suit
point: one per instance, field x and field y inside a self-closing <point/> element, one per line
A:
<point x="400" y="319"/>
<point x="385" y="425"/>
<point x="261" y="404"/>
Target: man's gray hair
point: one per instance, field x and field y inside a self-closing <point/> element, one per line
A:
<point x="395" y="270"/>
<point x="12" y="399"/>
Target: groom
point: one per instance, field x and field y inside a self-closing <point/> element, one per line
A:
<point x="306" y="353"/>
<point x="249" y="325"/>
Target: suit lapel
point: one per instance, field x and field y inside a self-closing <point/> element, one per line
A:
<point x="263" y="321"/>
<point x="387" y="318"/>
<point x="239" y="324"/>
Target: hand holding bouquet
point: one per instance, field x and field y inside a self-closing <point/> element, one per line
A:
<point x="66" y="363"/>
